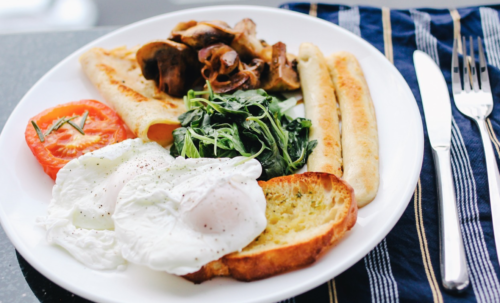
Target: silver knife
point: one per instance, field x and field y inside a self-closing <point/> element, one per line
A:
<point x="437" y="110"/>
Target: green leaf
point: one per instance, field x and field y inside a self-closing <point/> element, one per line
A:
<point x="249" y="123"/>
<point x="287" y="104"/>
<point x="189" y="148"/>
<point x="210" y="90"/>
<point x="248" y="158"/>
<point x="238" y="144"/>
<point x="280" y="107"/>
<point x="193" y="116"/>
<point x="179" y="135"/>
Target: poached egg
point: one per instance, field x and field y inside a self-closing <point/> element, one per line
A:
<point x="180" y="217"/>
<point x="84" y="198"/>
<point x="131" y="201"/>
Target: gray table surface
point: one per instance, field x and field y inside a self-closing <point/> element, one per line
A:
<point x="25" y="58"/>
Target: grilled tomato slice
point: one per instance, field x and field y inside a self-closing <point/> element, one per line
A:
<point x="67" y="131"/>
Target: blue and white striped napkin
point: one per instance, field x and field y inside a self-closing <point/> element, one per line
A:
<point x="404" y="267"/>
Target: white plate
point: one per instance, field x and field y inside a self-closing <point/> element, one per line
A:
<point x="26" y="190"/>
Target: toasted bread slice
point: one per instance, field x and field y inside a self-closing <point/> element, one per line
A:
<point x="306" y="214"/>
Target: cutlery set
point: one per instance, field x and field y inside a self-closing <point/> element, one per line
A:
<point x="474" y="100"/>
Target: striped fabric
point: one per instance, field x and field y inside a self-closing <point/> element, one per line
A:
<point x="404" y="267"/>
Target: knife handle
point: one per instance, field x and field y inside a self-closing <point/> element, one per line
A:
<point x="453" y="264"/>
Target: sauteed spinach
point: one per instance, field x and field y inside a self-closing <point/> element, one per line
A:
<point x="249" y="123"/>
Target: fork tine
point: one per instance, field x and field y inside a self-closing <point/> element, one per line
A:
<point x="455" y="69"/>
<point x="472" y="61"/>
<point x="466" y="66"/>
<point x="483" y="68"/>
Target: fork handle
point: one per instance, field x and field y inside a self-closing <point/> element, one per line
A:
<point x="453" y="264"/>
<point x="493" y="182"/>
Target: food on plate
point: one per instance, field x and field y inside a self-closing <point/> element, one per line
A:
<point x="150" y="113"/>
<point x="229" y="58"/>
<point x="306" y="213"/>
<point x="132" y="201"/>
<point x="67" y="131"/>
<point x="224" y="70"/>
<point x="143" y="83"/>
<point x="282" y="74"/>
<point x="359" y="126"/>
<point x="193" y="211"/>
<point x="321" y="108"/>
<point x="242" y="38"/>
<point x="173" y="66"/>
<point x="201" y="34"/>
<point x="204" y="214"/>
<point x="84" y="199"/>
<point x="248" y="123"/>
<point x="246" y="42"/>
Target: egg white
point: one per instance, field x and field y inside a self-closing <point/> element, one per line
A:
<point x="84" y="198"/>
<point x="191" y="212"/>
<point x="131" y="201"/>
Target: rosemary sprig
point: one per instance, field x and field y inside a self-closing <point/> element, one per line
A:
<point x="75" y="127"/>
<point x="38" y="131"/>
<point x="55" y="125"/>
<point x="84" y="118"/>
<point x="61" y="121"/>
<point x="69" y="119"/>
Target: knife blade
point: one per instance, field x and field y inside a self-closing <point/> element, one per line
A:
<point x="435" y="99"/>
<point x="437" y="112"/>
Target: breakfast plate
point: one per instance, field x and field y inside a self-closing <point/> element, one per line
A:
<point x="26" y="189"/>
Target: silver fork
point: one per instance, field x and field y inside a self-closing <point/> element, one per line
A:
<point x="477" y="104"/>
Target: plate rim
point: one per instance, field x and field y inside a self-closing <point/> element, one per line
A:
<point x="278" y="295"/>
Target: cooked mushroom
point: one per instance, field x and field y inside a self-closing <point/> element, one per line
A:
<point x="282" y="74"/>
<point x="218" y="58"/>
<point x="181" y="27"/>
<point x="267" y="54"/>
<point x="245" y="41"/>
<point x="225" y="71"/>
<point x="173" y="66"/>
<point x="202" y="34"/>
<point x="253" y="70"/>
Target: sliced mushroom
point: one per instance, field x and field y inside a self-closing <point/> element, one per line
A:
<point x="180" y="28"/>
<point x="229" y="61"/>
<point x="202" y="34"/>
<point x="253" y="70"/>
<point x="225" y="71"/>
<point x="267" y="54"/>
<point x="282" y="74"/>
<point x="173" y="66"/>
<point x="245" y="41"/>
<point x="219" y="58"/>
<point x="225" y="84"/>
